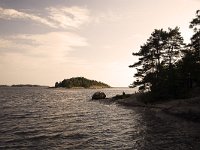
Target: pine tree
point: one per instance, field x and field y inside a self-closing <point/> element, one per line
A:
<point x="148" y="66"/>
<point x="157" y="62"/>
<point x="195" y="48"/>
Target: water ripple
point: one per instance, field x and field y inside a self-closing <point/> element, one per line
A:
<point x="37" y="118"/>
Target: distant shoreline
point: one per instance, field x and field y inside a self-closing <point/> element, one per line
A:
<point x="52" y="87"/>
<point x="23" y="85"/>
<point x="80" y="87"/>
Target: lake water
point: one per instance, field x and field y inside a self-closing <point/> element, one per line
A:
<point x="39" y="118"/>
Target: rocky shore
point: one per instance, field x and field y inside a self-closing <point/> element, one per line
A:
<point x="188" y="109"/>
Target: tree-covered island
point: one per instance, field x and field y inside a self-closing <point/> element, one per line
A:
<point x="80" y="82"/>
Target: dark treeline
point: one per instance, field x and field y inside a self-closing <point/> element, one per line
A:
<point x="167" y="67"/>
<point x="80" y="82"/>
<point x="27" y="85"/>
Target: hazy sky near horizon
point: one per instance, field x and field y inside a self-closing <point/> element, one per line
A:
<point x="44" y="41"/>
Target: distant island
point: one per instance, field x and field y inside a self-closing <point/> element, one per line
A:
<point x="80" y="82"/>
<point x="4" y="86"/>
<point x="23" y="85"/>
<point x="27" y="85"/>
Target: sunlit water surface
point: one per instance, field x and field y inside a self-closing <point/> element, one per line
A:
<point x="39" y="118"/>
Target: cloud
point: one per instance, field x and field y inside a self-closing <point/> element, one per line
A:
<point x="53" y="45"/>
<point x="43" y="57"/>
<point x="63" y="17"/>
<point x="68" y="17"/>
<point x="5" y="43"/>
<point x="10" y="14"/>
<point x="107" y="16"/>
<point x="40" y="58"/>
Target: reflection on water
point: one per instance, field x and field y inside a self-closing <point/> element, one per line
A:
<point x="36" y="118"/>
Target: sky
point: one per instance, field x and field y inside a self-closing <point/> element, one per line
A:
<point x="44" y="41"/>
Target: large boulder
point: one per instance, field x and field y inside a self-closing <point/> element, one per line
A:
<point x="99" y="95"/>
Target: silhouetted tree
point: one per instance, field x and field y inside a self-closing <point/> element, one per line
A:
<point x="156" y="68"/>
<point x="195" y="49"/>
<point x="56" y="84"/>
<point x="148" y="66"/>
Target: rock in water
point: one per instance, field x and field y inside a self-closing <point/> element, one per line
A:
<point x="99" y="95"/>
